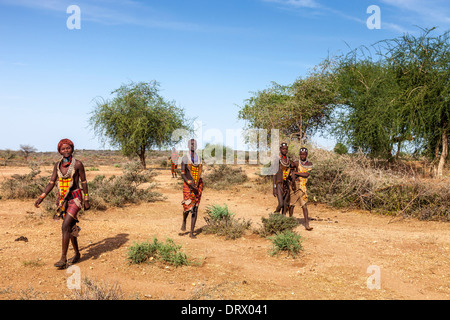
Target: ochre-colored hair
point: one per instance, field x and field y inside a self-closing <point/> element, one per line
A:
<point x="65" y="141"/>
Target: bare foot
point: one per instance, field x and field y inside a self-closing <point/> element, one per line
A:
<point x="61" y="264"/>
<point x="74" y="259"/>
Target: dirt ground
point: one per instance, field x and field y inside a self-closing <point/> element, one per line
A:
<point x="413" y="256"/>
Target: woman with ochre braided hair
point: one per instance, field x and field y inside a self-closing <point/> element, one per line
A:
<point x="66" y="174"/>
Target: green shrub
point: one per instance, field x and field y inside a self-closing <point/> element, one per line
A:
<point x="286" y="241"/>
<point x="277" y="223"/>
<point x="221" y="221"/>
<point x="340" y="148"/>
<point x="168" y="252"/>
<point x="141" y="252"/>
<point x="216" y="213"/>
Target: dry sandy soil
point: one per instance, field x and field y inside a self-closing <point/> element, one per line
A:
<point x="413" y="256"/>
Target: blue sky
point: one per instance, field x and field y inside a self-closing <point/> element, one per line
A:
<point x="208" y="55"/>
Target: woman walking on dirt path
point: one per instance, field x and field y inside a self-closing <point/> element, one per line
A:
<point x="66" y="174"/>
<point x="300" y="174"/>
<point x="191" y="170"/>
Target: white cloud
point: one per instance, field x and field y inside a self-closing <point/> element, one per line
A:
<point x="113" y="12"/>
<point x="431" y="12"/>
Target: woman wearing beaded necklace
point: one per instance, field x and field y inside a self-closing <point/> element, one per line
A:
<point x="280" y="181"/>
<point x="66" y="174"/>
<point x="300" y="174"/>
<point x="191" y="171"/>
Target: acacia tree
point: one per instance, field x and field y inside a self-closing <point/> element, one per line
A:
<point x="137" y="119"/>
<point x="297" y="110"/>
<point x="368" y="119"/>
<point x="423" y="73"/>
<point x="26" y="150"/>
<point x="402" y="96"/>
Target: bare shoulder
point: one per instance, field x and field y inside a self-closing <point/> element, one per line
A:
<point x="79" y="164"/>
<point x="184" y="159"/>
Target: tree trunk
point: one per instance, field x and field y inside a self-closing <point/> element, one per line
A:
<point x="444" y="154"/>
<point x="142" y="158"/>
<point x="399" y="146"/>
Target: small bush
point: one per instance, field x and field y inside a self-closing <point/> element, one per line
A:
<point x="287" y="241"/>
<point x="216" y="213"/>
<point x="221" y="221"/>
<point x="24" y="186"/>
<point x="93" y="291"/>
<point x="340" y="148"/>
<point x="117" y="191"/>
<point x="225" y="176"/>
<point x="277" y="223"/>
<point x="168" y="252"/>
<point x="141" y="252"/>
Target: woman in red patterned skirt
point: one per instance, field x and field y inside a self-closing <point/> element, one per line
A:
<point x="66" y="174"/>
<point x="191" y="170"/>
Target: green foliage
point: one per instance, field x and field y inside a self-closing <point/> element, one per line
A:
<point x="340" y="148"/>
<point x="298" y="109"/>
<point x="168" y="252"/>
<point x="400" y="99"/>
<point x="141" y="252"/>
<point x="217" y="213"/>
<point x="277" y="223"/>
<point x="220" y="220"/>
<point x="224" y="176"/>
<point x="137" y="119"/>
<point x="370" y="118"/>
<point x="286" y="241"/>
